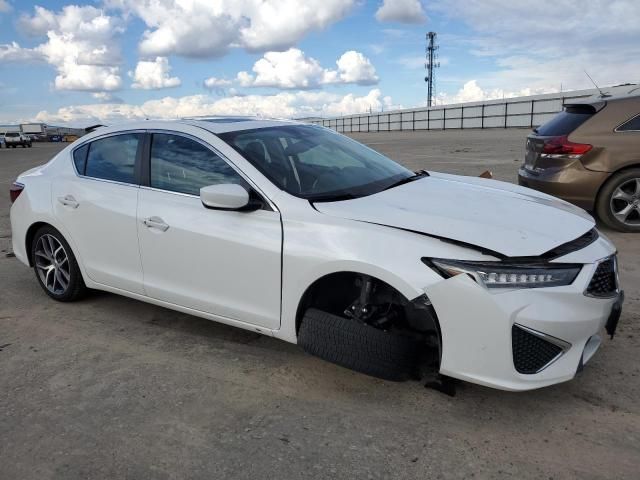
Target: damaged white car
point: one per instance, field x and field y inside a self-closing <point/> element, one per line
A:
<point x="298" y="232"/>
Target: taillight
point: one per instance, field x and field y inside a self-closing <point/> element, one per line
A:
<point x="15" y="190"/>
<point x="561" y="147"/>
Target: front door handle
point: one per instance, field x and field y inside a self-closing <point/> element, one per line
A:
<point x="68" y="201"/>
<point x="156" y="222"/>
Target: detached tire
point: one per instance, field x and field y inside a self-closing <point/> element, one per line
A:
<point x="359" y="347"/>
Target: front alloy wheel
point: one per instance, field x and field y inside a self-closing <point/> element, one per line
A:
<point x="56" y="268"/>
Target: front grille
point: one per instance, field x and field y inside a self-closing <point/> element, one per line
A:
<point x="604" y="282"/>
<point x="530" y="352"/>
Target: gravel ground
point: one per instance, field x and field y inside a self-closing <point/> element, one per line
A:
<point x="114" y="388"/>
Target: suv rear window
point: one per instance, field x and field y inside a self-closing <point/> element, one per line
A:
<point x="566" y="121"/>
<point x="12" y="134"/>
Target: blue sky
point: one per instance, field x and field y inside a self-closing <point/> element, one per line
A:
<point x="104" y="60"/>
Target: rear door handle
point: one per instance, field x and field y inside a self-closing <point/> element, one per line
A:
<point x="156" y="222"/>
<point x="68" y="201"/>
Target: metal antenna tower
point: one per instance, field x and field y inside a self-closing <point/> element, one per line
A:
<point x="432" y="57"/>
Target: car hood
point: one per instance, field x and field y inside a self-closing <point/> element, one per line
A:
<point x="508" y="219"/>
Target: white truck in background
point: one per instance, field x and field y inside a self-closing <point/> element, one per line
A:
<point x="14" y="139"/>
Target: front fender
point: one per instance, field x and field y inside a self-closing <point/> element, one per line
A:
<point x="326" y="245"/>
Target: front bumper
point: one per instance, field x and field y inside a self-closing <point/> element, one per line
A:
<point x="572" y="183"/>
<point x="477" y="329"/>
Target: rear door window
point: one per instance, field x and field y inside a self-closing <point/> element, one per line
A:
<point x="632" y="125"/>
<point x="114" y="158"/>
<point x="566" y="121"/>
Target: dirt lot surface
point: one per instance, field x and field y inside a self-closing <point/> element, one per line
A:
<point x="114" y="388"/>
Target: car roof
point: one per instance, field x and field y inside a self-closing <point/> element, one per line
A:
<point x="598" y="101"/>
<point x="213" y="124"/>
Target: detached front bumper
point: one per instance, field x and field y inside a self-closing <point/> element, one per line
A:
<point x="519" y="339"/>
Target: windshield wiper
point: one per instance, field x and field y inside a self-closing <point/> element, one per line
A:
<point x="419" y="174"/>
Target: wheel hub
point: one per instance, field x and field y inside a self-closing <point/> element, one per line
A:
<point x="625" y="202"/>
<point x="52" y="264"/>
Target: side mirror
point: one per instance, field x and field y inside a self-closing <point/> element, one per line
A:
<point x="228" y="196"/>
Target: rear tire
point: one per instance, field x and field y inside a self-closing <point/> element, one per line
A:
<point x="359" y="347"/>
<point x="55" y="266"/>
<point x="618" y="203"/>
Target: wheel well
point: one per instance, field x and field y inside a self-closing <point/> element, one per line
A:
<point x="369" y="300"/>
<point x="620" y="170"/>
<point x="31" y="232"/>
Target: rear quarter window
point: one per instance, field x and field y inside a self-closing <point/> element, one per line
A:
<point x="632" y="125"/>
<point x="80" y="158"/>
<point x="566" y="121"/>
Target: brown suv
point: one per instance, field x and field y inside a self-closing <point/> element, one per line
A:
<point x="589" y="154"/>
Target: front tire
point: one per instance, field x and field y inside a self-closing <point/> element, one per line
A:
<point x="359" y="347"/>
<point x="55" y="266"/>
<point x="618" y="204"/>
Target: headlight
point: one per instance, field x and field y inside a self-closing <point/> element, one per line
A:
<point x="504" y="275"/>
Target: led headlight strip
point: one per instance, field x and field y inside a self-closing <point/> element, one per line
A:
<point x="505" y="275"/>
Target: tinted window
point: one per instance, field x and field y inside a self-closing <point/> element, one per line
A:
<point x="180" y="164"/>
<point x="315" y="163"/>
<point x="567" y="121"/>
<point x="80" y="158"/>
<point x="113" y="158"/>
<point x="11" y="134"/>
<point x="631" y="125"/>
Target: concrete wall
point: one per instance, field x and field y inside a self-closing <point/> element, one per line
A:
<point x="523" y="112"/>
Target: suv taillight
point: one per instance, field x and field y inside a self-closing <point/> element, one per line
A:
<point x="557" y="147"/>
<point x="15" y="190"/>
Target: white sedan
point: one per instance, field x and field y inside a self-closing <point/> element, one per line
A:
<point x="295" y="231"/>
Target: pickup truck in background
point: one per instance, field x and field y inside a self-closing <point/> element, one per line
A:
<point x="14" y="139"/>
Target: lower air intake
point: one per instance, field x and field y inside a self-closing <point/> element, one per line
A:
<point x="531" y="353"/>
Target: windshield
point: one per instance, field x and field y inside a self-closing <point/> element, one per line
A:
<point x="11" y="134"/>
<point x="315" y="163"/>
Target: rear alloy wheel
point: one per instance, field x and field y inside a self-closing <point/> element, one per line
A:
<point x="56" y="267"/>
<point x="618" y="204"/>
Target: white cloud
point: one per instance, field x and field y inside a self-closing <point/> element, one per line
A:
<point x="5" y="6"/>
<point x="292" y="69"/>
<point x="353" y="67"/>
<point x="106" y="97"/>
<point x="213" y="82"/>
<point x="282" y="105"/>
<point x="13" y="52"/>
<point x="532" y="52"/>
<point x="402" y="11"/>
<point x="203" y="28"/>
<point x="472" y="92"/>
<point x="153" y="74"/>
<point x="279" y="24"/>
<point x="81" y="45"/>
